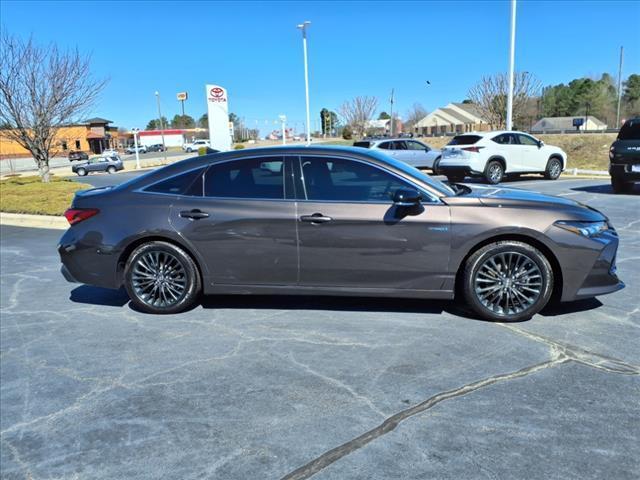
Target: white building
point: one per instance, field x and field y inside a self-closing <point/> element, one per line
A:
<point x="567" y="123"/>
<point x="455" y="117"/>
<point x="172" y="137"/>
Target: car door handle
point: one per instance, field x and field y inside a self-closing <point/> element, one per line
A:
<point x="194" y="214"/>
<point x="315" y="218"/>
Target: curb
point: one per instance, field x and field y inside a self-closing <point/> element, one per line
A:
<point x="33" y="221"/>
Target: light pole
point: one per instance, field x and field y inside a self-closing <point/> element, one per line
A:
<point x="512" y="49"/>
<point x="303" y="26"/>
<point x="391" y="119"/>
<point x="283" y="119"/>
<point x="135" y="144"/>
<point x="619" y="88"/>
<point x="164" y="146"/>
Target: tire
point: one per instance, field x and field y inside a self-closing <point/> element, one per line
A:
<point x="521" y="300"/>
<point x="111" y="170"/>
<point x="178" y="292"/>
<point x="189" y="150"/>
<point x="494" y="172"/>
<point x="621" y="186"/>
<point x="554" y="169"/>
<point x="436" y="164"/>
<point x="81" y="172"/>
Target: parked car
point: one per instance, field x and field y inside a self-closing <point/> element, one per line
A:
<point x="157" y="147"/>
<point x="333" y="221"/>
<point x="412" y="152"/>
<point x="110" y="153"/>
<point x="493" y="155"/>
<point x="98" y="164"/>
<point x="77" y="155"/>
<point x="194" y="146"/>
<point x="624" y="157"/>
<point x="132" y="149"/>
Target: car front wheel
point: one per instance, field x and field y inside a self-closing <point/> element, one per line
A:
<point x="81" y="172"/>
<point x="553" y="170"/>
<point x="111" y="169"/>
<point x="161" y="278"/>
<point x="507" y="281"/>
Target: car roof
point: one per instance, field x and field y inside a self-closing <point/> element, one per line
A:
<point x="374" y="156"/>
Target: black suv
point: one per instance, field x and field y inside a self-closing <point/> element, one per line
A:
<point x="624" y="157"/>
<point x="76" y="155"/>
<point x="158" y="147"/>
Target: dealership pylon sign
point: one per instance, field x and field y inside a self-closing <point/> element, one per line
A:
<point x="218" y="112"/>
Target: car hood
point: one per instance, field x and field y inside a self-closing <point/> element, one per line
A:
<point x="502" y="197"/>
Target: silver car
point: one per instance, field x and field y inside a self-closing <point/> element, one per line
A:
<point x="407" y="150"/>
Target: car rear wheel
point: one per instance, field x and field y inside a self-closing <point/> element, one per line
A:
<point x="436" y="166"/>
<point x="621" y="186"/>
<point x="507" y="281"/>
<point x="553" y="170"/>
<point x="493" y="172"/>
<point x="111" y="169"/>
<point x="161" y="278"/>
<point x="81" y="172"/>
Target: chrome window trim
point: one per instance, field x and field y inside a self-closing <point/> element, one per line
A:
<point x="143" y="188"/>
<point x="434" y="199"/>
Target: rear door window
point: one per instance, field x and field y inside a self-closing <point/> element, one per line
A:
<point x="385" y="146"/>
<point x="464" y="140"/>
<point x="413" y="145"/>
<point x="630" y="130"/>
<point x="251" y="178"/>
<point x="400" y="145"/>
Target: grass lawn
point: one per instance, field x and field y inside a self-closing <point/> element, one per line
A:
<point x="30" y="195"/>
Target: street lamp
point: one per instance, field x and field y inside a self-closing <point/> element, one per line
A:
<point x="303" y="26"/>
<point x="512" y="49"/>
<point x="164" y="146"/>
<point x="135" y="144"/>
<point x="283" y="119"/>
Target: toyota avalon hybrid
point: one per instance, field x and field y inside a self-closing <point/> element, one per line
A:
<point x="334" y="221"/>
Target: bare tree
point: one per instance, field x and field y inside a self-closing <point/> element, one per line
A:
<point x="41" y="90"/>
<point x="358" y="113"/>
<point x="490" y="96"/>
<point x="416" y="113"/>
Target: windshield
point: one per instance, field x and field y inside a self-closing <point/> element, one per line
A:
<point x="464" y="140"/>
<point x="414" y="172"/>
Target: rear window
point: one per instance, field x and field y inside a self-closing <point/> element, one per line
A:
<point x="630" y="130"/>
<point x="189" y="183"/>
<point x="362" y="144"/>
<point x="464" y="140"/>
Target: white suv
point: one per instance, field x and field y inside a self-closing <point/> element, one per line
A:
<point x="492" y="155"/>
<point x="193" y="147"/>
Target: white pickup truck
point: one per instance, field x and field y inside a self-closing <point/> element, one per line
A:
<point x="193" y="147"/>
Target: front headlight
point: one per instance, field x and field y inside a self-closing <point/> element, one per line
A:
<point x="586" y="229"/>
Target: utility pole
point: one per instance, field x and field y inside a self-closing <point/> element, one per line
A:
<point x="283" y="119"/>
<point x="135" y="144"/>
<point x="619" y="88"/>
<point x="512" y="49"/>
<point x="391" y="120"/>
<point x="164" y="145"/>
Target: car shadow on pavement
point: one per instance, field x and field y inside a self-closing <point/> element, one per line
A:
<point x="99" y="296"/>
<point x="604" y="188"/>
<point x="557" y="309"/>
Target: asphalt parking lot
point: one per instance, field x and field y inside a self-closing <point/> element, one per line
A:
<point x="329" y="388"/>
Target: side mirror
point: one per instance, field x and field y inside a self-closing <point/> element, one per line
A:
<point x="540" y="144"/>
<point x="406" y="197"/>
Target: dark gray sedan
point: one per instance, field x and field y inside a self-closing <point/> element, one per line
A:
<point x="334" y="221"/>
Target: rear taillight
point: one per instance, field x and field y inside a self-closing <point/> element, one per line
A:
<point x="472" y="149"/>
<point x="77" y="215"/>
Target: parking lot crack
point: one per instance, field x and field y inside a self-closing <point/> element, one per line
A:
<point x="388" y="425"/>
<point x="581" y="355"/>
<point x="337" y="383"/>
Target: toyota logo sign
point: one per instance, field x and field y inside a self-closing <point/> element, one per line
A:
<point x="216" y="94"/>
